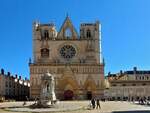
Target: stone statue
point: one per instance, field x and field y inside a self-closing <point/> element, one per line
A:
<point x="47" y="96"/>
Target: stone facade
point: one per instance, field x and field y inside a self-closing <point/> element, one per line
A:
<point x="132" y="84"/>
<point x="13" y="87"/>
<point x="74" y="60"/>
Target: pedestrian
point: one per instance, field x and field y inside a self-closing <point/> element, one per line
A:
<point x="93" y="103"/>
<point x="98" y="104"/>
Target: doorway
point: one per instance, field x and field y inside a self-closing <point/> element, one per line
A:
<point x="68" y="95"/>
<point x="89" y="95"/>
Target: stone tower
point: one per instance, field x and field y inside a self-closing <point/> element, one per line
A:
<point x="74" y="59"/>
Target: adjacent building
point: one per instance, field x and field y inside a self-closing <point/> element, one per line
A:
<point x="74" y="59"/>
<point x="132" y="84"/>
<point x="13" y="87"/>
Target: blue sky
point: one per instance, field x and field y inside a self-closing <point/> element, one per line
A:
<point x="125" y="29"/>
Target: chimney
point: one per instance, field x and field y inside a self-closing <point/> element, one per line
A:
<point x="19" y="77"/>
<point x="2" y="71"/>
<point x="109" y="73"/>
<point x="25" y="78"/>
<point x="16" y="76"/>
<point x="121" y="72"/>
<point x="134" y="70"/>
<point x="8" y="73"/>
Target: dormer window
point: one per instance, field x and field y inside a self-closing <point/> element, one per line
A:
<point x="45" y="53"/>
<point x="68" y="33"/>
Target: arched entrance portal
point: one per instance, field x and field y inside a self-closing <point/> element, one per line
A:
<point x="68" y="95"/>
<point x="89" y="95"/>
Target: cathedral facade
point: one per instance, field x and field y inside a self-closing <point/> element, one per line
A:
<point x="75" y="60"/>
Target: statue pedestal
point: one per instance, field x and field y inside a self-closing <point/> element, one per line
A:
<point x="46" y="103"/>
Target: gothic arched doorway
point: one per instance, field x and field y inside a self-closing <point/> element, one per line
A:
<point x="89" y="95"/>
<point x="68" y="95"/>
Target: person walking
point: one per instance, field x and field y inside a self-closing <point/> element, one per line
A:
<point x="93" y="103"/>
<point x="98" y="104"/>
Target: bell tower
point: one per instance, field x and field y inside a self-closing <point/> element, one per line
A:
<point x="92" y="33"/>
<point x="42" y="35"/>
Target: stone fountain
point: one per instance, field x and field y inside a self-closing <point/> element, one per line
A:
<point x="47" y="95"/>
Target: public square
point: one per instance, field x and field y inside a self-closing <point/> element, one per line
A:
<point x="73" y="56"/>
<point x="77" y="107"/>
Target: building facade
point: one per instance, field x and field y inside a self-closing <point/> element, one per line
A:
<point x="13" y="87"/>
<point x="74" y="59"/>
<point x="133" y="84"/>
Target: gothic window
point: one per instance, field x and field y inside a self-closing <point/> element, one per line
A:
<point x="68" y="33"/>
<point x="45" y="53"/>
<point x="88" y="34"/>
<point x="82" y="33"/>
<point x="67" y="52"/>
<point x="46" y="34"/>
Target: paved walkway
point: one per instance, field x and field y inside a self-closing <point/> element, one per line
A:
<point x="77" y="107"/>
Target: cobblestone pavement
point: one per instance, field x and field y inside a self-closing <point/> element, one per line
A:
<point x="106" y="107"/>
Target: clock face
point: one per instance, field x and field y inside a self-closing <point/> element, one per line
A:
<point x="67" y="52"/>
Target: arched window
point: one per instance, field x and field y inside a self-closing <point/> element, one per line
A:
<point x="88" y="34"/>
<point x="45" y="53"/>
<point x="46" y="34"/>
<point x="68" y="33"/>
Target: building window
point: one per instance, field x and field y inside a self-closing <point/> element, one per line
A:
<point x="114" y="85"/>
<point x="147" y="77"/>
<point x="45" y="53"/>
<point x="136" y="78"/>
<point x="133" y="84"/>
<point x="144" y="84"/>
<point x="46" y="34"/>
<point x="68" y="33"/>
<point x="6" y="84"/>
<point x="123" y="84"/>
<point x="88" y="34"/>
<point x="143" y="77"/>
<point x="9" y="84"/>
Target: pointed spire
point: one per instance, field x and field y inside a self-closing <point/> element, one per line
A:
<point x="30" y="61"/>
<point x="67" y="15"/>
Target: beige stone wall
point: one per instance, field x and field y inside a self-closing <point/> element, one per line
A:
<point x="129" y="91"/>
<point x="2" y="85"/>
<point x="129" y="85"/>
<point x="82" y="76"/>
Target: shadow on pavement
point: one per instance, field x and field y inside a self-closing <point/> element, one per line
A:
<point x="141" y="111"/>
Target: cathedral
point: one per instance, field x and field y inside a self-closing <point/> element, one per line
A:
<point x="74" y="59"/>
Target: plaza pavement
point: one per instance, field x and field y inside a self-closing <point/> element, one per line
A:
<point x="80" y="107"/>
